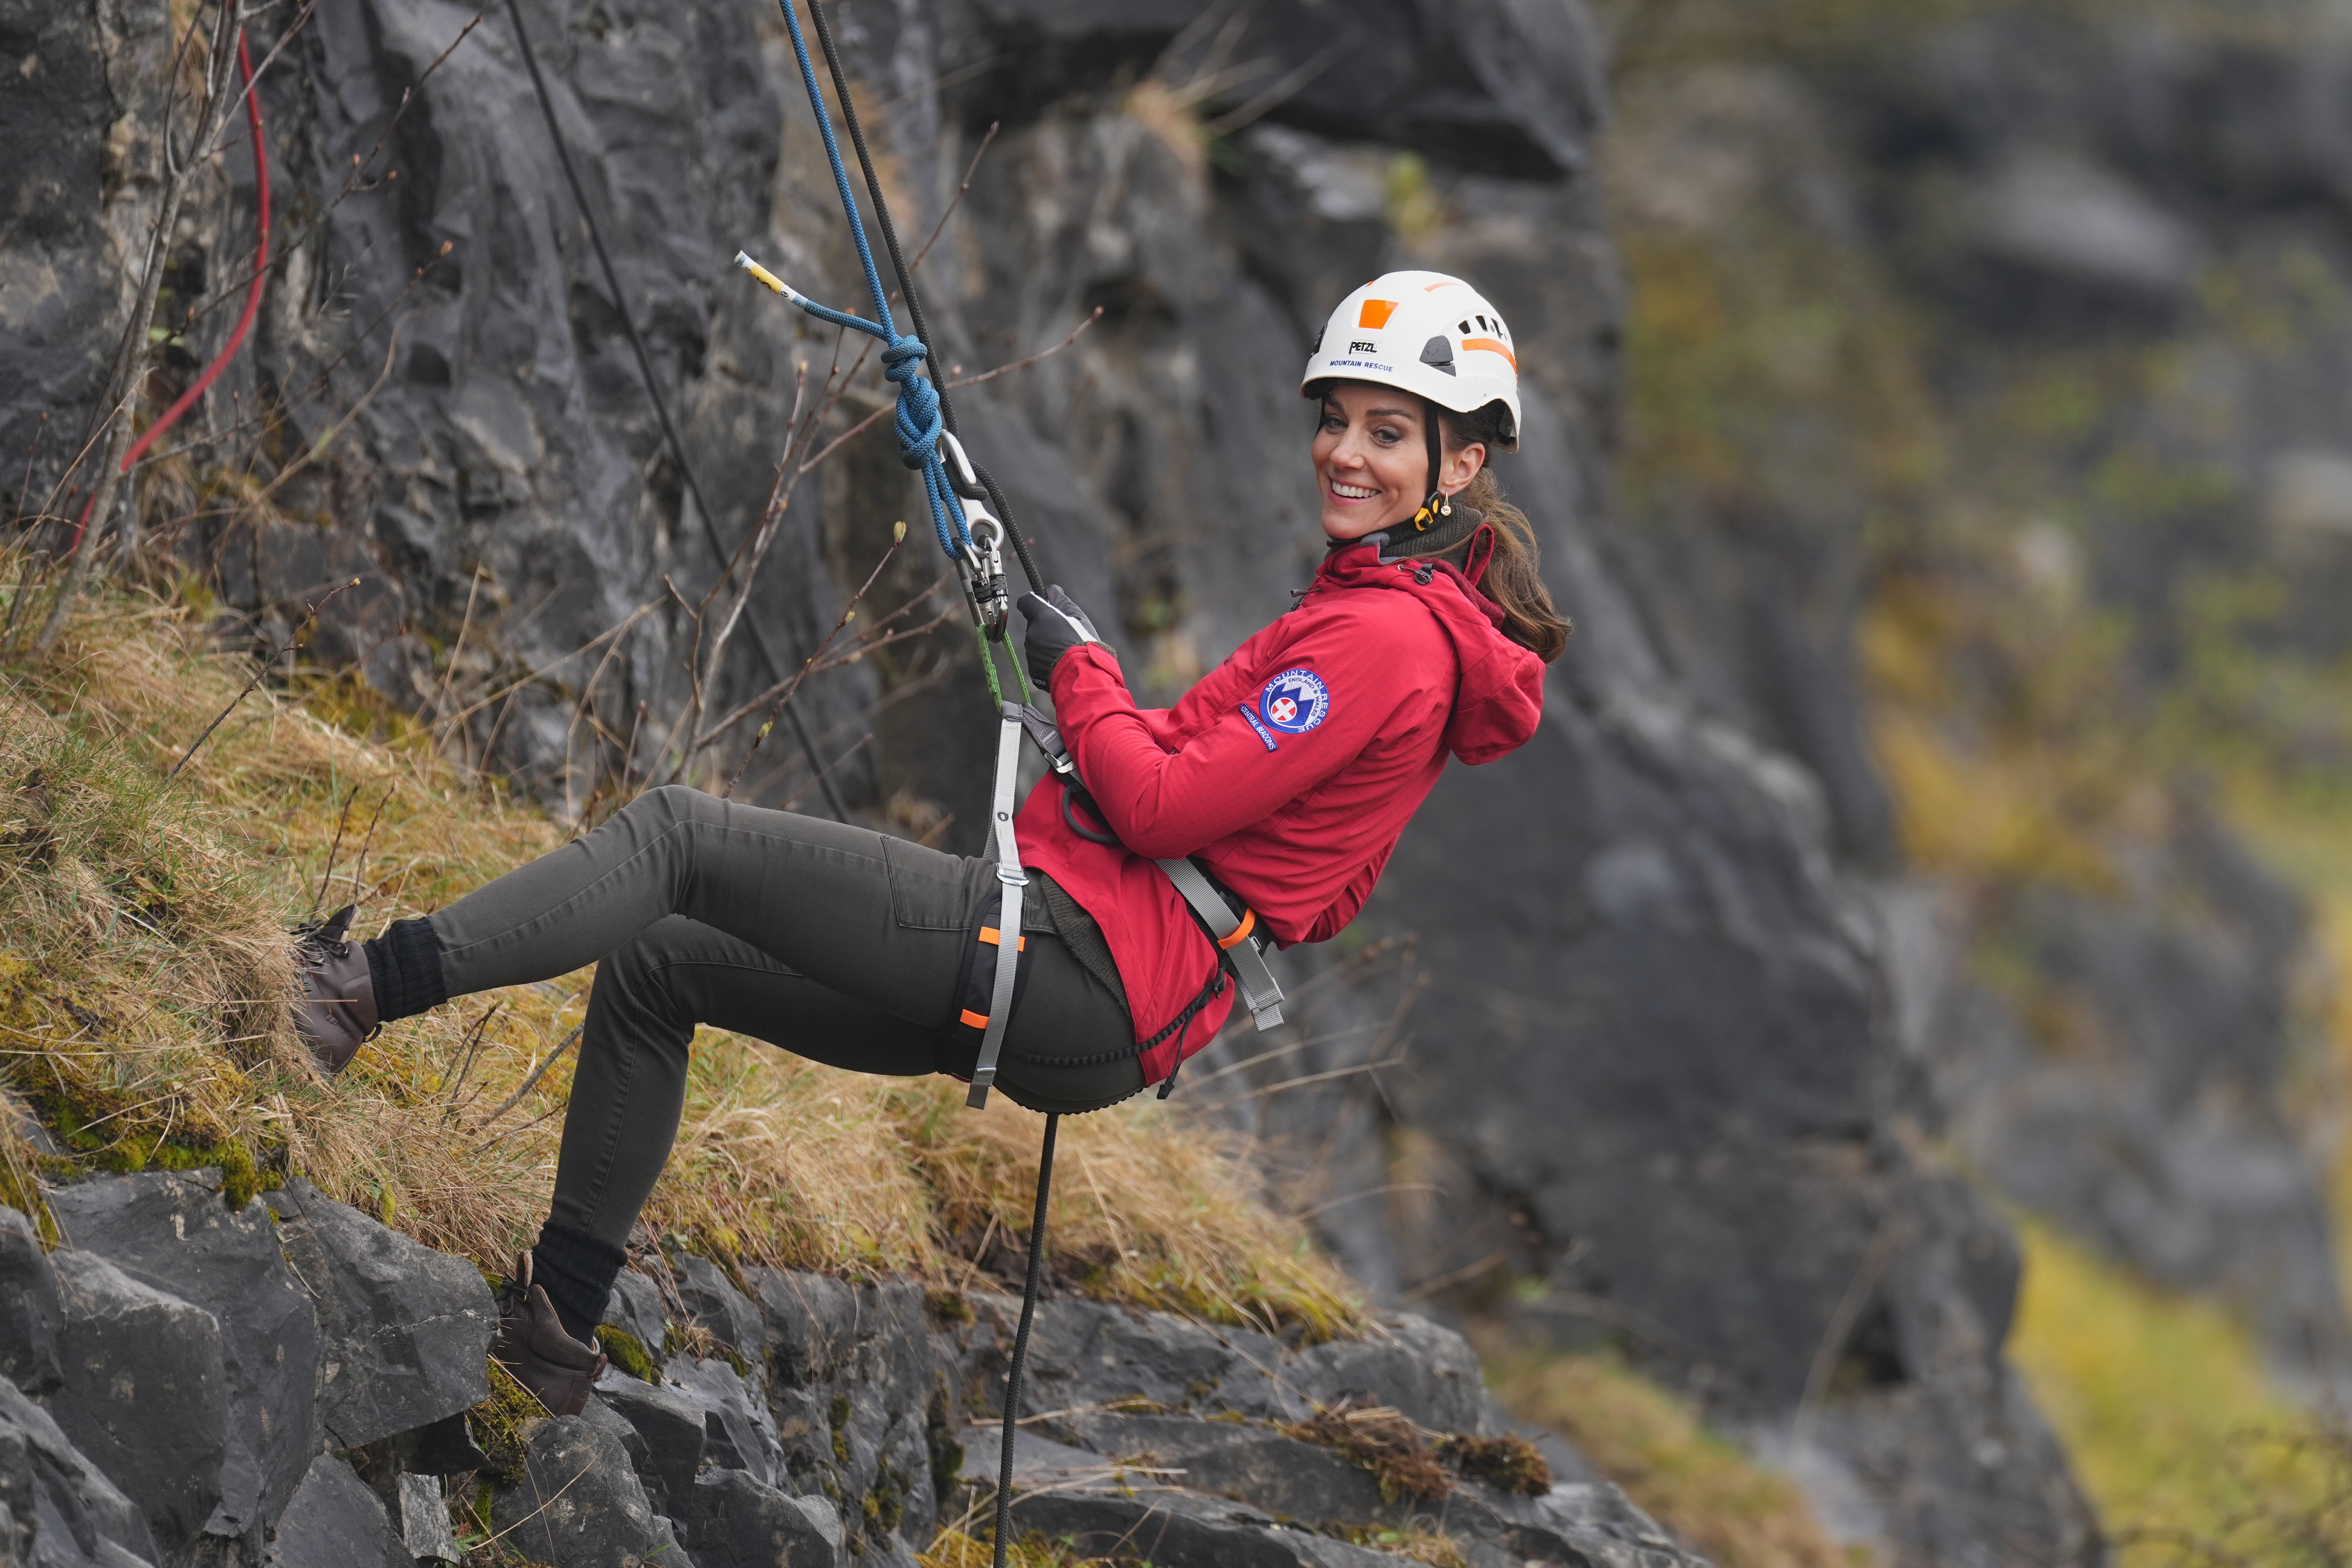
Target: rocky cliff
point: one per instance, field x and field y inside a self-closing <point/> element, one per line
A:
<point x="290" y="1383"/>
<point x="1656" y="1090"/>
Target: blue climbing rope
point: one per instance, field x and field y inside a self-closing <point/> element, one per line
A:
<point x="917" y="419"/>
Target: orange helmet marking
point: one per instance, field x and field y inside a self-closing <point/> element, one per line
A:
<point x="1493" y="347"/>
<point x="1376" y="313"/>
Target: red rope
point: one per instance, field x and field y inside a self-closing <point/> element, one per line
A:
<point x="252" y="295"/>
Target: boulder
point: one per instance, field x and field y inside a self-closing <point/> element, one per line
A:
<point x="405" y="1331"/>
<point x="740" y="1524"/>
<point x="1427" y="1373"/>
<point x="61" y="1510"/>
<point x="739" y="1431"/>
<point x="145" y="1394"/>
<point x="810" y="1319"/>
<point x="424" y="1523"/>
<point x="172" y="1230"/>
<point x="1246" y="1461"/>
<point x="636" y="1309"/>
<point x="670" y="1426"/>
<point x="579" y="1504"/>
<point x="712" y="1301"/>
<point x="334" y="1521"/>
<point x="30" y="1316"/>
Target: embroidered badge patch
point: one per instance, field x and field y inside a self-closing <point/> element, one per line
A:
<point x="1295" y="702"/>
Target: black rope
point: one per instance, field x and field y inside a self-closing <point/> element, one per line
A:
<point x="907" y="291"/>
<point x="776" y="669"/>
<point x="1021" y="1335"/>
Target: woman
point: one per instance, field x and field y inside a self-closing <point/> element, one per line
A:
<point x="1286" y="773"/>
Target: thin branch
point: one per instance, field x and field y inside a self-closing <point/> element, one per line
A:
<point x="964" y="381"/>
<point x="312" y="614"/>
<point x="531" y="1081"/>
<point x="334" y="849"/>
<point x="955" y="201"/>
<point x="897" y="537"/>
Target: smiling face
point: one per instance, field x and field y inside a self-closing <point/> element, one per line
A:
<point x="1371" y="460"/>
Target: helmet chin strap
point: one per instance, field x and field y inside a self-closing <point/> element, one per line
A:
<point x="1439" y="504"/>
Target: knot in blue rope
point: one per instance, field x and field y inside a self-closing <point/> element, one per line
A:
<point x="918" y="401"/>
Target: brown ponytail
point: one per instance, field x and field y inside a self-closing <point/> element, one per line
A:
<point x="1512" y="579"/>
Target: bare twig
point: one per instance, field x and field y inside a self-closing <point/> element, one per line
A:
<point x="897" y="537"/>
<point x="532" y="1079"/>
<point x="311" y="613"/>
<point x="474" y="1037"/>
<point x="367" y="843"/>
<point x="954" y="202"/>
<point x="334" y="847"/>
<point x="964" y="381"/>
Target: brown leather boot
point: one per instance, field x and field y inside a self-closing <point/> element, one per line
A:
<point x="337" y="1013"/>
<point x="532" y="1346"/>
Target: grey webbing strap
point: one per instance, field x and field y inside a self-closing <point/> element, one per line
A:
<point x="1260" y="991"/>
<point x="1010" y="875"/>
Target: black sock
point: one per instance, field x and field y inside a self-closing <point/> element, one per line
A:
<point x="405" y="964"/>
<point x="577" y="1271"/>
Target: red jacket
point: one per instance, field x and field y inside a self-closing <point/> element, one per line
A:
<point x="1289" y="770"/>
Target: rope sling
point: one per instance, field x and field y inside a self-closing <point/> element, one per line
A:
<point x="959" y="494"/>
<point x="972" y="537"/>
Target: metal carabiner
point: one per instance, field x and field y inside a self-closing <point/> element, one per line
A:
<point x="984" y="561"/>
<point x="984" y="569"/>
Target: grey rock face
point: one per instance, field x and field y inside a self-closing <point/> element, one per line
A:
<point x="334" y="1521"/>
<point x="146" y="1394"/>
<point x="671" y="1426"/>
<point x="860" y="1400"/>
<point x="30" y="1314"/>
<point x="61" y="1510"/>
<point x="403" y="1330"/>
<point x="740" y="1524"/>
<point x="88" y="89"/>
<point x="579" y="1504"/>
<point x="172" y="1232"/>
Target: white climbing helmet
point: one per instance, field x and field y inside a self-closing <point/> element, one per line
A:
<point x="1426" y="334"/>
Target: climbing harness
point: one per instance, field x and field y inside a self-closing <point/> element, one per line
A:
<point x="960" y="496"/>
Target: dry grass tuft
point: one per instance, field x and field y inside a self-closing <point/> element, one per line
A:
<point x="146" y="979"/>
<point x="1383" y="1442"/>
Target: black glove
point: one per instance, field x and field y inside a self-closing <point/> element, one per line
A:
<point x="1056" y="626"/>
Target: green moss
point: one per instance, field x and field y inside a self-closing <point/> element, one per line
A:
<point x="627" y="1353"/>
<point x="498" y="1424"/>
<point x="939" y="1437"/>
<point x="837" y="1417"/>
<point x="884" y="1503"/>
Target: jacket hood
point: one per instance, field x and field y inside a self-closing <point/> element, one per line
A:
<point x="1498" y="695"/>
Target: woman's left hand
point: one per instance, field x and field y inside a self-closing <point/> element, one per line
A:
<point x="1056" y="626"/>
